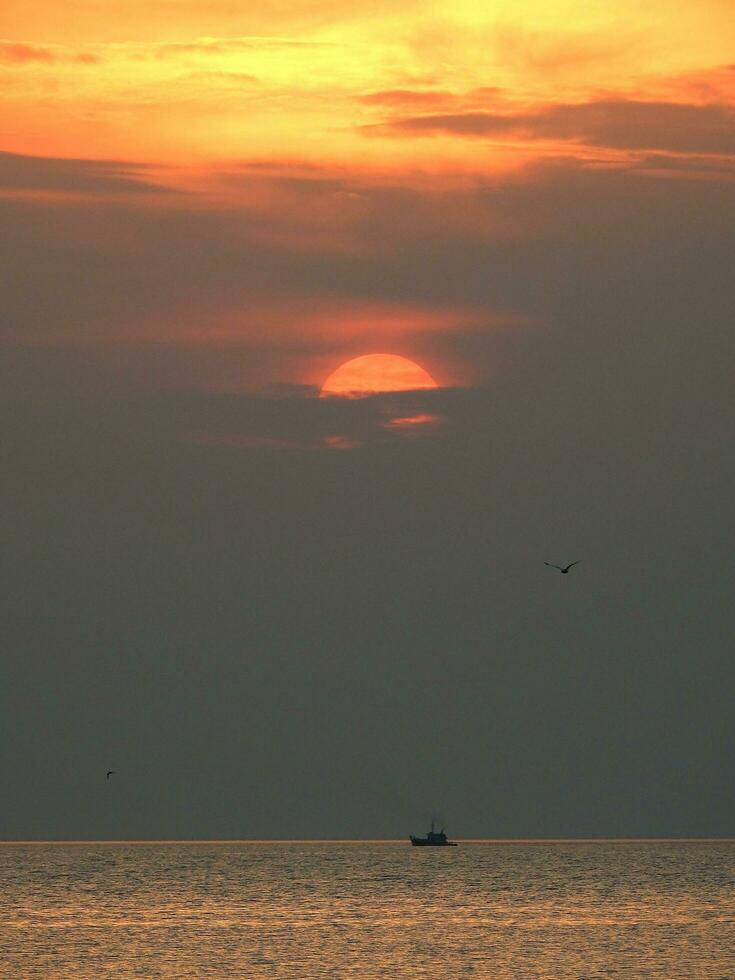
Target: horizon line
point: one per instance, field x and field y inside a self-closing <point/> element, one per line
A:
<point x="369" y="840"/>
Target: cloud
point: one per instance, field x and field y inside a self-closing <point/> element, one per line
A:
<point x="302" y="422"/>
<point x="19" y="172"/>
<point x="236" y="78"/>
<point x="21" y="54"/>
<point x="692" y="166"/>
<point x="236" y="440"/>
<point x="407" y="98"/>
<point x="611" y="123"/>
<point x="467" y="277"/>
<point x="707" y="87"/>
<point x="17" y="53"/>
<point x="243" y="421"/>
<point x="547" y="52"/>
<point x="232" y="45"/>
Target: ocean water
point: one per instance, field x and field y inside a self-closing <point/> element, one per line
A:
<point x="310" y="910"/>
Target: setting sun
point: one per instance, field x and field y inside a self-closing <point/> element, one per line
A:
<point x="376" y="373"/>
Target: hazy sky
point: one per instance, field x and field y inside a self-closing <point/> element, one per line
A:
<point x="276" y="615"/>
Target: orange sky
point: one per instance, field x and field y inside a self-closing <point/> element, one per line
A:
<point x="185" y="82"/>
<point x="312" y="181"/>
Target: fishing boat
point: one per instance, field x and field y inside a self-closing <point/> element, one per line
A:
<point x="433" y="839"/>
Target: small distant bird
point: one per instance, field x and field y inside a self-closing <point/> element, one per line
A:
<point x="110" y="772"/>
<point x="562" y="570"/>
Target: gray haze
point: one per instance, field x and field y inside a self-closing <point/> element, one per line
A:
<point x="269" y="639"/>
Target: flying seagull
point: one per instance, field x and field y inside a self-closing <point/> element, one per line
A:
<point x="110" y="772"/>
<point x="562" y="570"/>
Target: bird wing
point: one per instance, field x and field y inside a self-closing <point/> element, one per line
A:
<point x="552" y="565"/>
<point x="572" y="565"/>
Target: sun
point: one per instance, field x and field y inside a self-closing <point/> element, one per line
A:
<point x="376" y="373"/>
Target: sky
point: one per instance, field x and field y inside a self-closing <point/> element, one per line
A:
<point x="279" y="615"/>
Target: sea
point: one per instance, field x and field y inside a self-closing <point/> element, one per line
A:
<point x="301" y="910"/>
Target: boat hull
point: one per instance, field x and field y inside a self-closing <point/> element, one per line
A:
<point x="424" y="842"/>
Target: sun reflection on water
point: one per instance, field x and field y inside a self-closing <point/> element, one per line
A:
<point x="266" y="910"/>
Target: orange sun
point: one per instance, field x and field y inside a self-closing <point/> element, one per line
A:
<point x="376" y="373"/>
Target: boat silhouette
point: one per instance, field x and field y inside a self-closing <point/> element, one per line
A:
<point x="433" y="839"/>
